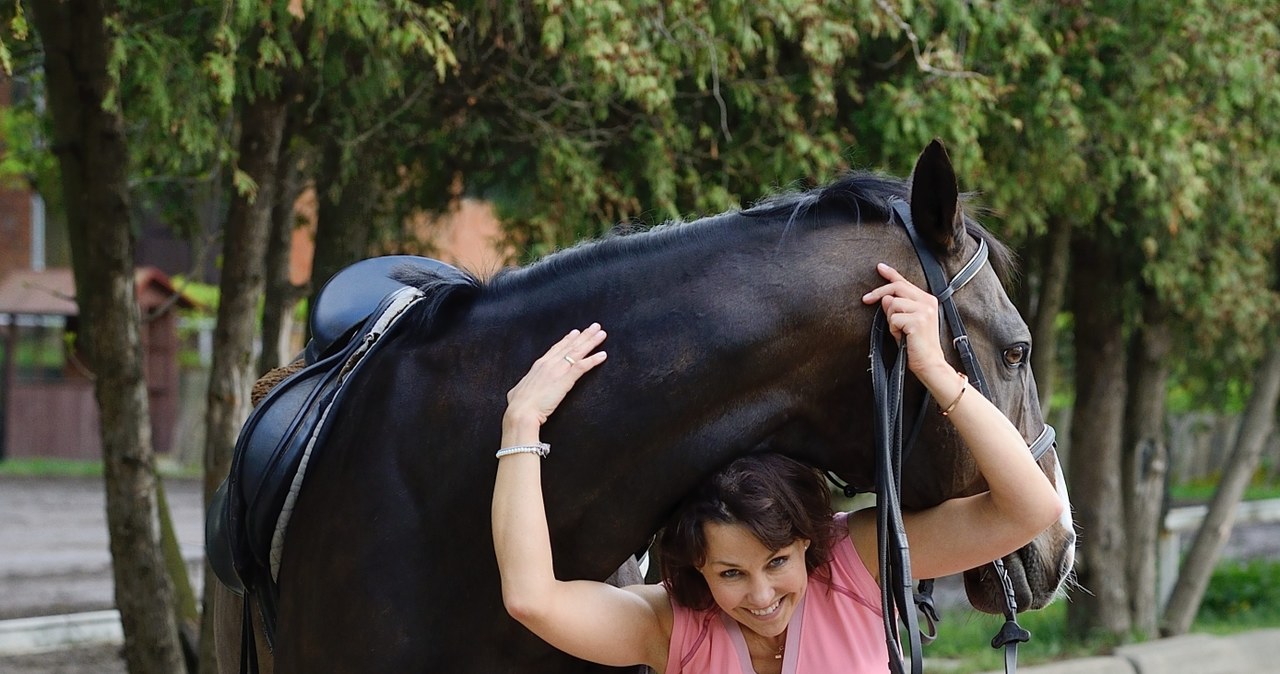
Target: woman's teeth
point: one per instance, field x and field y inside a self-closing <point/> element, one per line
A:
<point x="765" y="611"/>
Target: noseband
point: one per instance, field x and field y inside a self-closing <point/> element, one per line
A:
<point x="887" y="384"/>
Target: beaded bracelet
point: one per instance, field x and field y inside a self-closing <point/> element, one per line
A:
<point x="542" y="449"/>
<point x="964" y="386"/>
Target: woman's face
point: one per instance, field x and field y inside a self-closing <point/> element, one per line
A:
<point x="759" y="587"/>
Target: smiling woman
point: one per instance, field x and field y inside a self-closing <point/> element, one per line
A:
<point x="750" y="542"/>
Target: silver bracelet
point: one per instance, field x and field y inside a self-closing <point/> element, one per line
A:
<point x="542" y="449"/>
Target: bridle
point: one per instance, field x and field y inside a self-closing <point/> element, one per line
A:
<point x="887" y="385"/>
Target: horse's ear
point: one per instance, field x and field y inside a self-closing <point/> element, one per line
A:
<point x="935" y="199"/>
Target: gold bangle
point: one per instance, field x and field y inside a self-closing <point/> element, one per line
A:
<point x="964" y="386"/>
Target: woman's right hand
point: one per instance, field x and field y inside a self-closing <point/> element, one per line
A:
<point x="536" y="396"/>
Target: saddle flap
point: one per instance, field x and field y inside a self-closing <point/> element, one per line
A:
<point x="218" y="546"/>
<point x="270" y="448"/>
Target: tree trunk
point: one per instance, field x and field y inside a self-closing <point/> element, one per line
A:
<point x="186" y="613"/>
<point x="90" y="146"/>
<point x="1096" y="436"/>
<point x="280" y="295"/>
<point x="244" y="247"/>
<point x="1044" y="325"/>
<point x="342" y="220"/>
<point x="1212" y="535"/>
<point x="1146" y="460"/>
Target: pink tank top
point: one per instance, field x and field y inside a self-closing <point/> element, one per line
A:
<point x="837" y="626"/>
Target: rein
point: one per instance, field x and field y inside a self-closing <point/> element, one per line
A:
<point x="893" y="549"/>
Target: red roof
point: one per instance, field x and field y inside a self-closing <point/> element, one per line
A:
<point x="52" y="292"/>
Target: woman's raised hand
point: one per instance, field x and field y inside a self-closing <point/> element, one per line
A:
<point x="538" y="394"/>
<point x="912" y="312"/>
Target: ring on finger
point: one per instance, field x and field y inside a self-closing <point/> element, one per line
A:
<point x="569" y="359"/>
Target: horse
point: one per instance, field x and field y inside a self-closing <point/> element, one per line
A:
<point x="736" y="333"/>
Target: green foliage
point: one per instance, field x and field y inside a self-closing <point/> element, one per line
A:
<point x="18" y="30"/>
<point x="205" y="295"/>
<point x="595" y="113"/>
<point x="25" y="159"/>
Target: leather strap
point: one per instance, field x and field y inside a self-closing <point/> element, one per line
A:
<point x="892" y="547"/>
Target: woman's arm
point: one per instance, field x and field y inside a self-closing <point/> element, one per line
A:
<point x="587" y="619"/>
<point x="962" y="533"/>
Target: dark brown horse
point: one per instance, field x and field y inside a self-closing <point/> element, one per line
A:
<point x="736" y="333"/>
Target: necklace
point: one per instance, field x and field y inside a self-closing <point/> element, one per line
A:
<point x="769" y="651"/>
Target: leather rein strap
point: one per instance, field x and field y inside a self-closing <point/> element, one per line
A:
<point x="887" y="385"/>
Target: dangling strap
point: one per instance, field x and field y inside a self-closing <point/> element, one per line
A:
<point x="891" y="537"/>
<point x="1011" y="633"/>
<point x="248" y="643"/>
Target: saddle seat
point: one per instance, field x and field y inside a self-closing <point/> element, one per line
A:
<point x="247" y="516"/>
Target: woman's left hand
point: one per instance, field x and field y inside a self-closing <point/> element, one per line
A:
<point x="911" y="312"/>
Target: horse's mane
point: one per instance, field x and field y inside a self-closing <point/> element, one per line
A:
<point x="854" y="197"/>
<point x="440" y="291"/>
<point x="867" y="195"/>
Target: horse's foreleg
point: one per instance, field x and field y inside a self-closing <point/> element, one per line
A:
<point x="228" y="611"/>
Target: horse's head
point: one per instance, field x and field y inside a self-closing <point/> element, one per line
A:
<point x="941" y="467"/>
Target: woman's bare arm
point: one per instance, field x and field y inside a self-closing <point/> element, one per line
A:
<point x="967" y="532"/>
<point x="587" y="619"/>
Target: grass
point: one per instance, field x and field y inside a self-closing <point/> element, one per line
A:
<point x="964" y="640"/>
<point x="42" y="467"/>
<point x="1240" y="597"/>
<point x="50" y="468"/>
<point x="1202" y="492"/>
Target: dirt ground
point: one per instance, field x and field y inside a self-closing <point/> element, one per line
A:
<point x="88" y="660"/>
<point x="54" y="559"/>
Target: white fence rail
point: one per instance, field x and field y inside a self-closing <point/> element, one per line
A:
<point x="1186" y="520"/>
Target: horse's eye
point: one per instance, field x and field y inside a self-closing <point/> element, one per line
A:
<point x="1017" y="354"/>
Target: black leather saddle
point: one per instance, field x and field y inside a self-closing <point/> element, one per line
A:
<point x="242" y="518"/>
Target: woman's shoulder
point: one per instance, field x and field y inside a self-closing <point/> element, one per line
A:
<point x="853" y="548"/>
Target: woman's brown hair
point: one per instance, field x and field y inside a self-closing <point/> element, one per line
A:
<point x="777" y="499"/>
